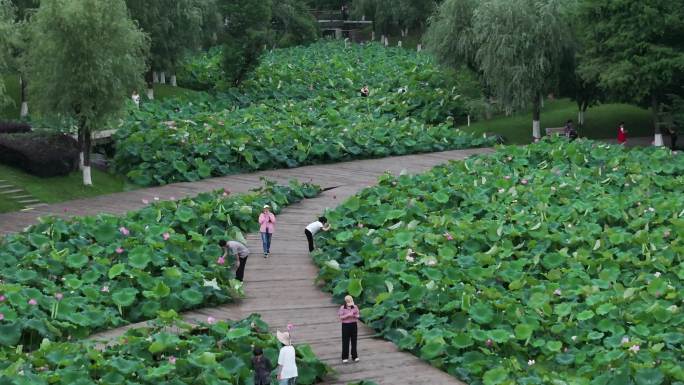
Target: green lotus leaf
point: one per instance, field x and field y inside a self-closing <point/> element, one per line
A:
<point x="25" y="275"/>
<point x="192" y="296"/>
<point x="236" y="333"/>
<point x="344" y="236"/>
<point x="495" y="376"/>
<point x="462" y="341"/>
<point x="139" y="257"/>
<point x="432" y="349"/>
<point x="185" y="214"/>
<point x="585" y="315"/>
<point x="10" y="333"/>
<point x="499" y="335"/>
<point x="116" y="270"/>
<point x="649" y="376"/>
<point x="160" y="371"/>
<point x="554" y="346"/>
<point x="124" y="297"/>
<point x="123" y="365"/>
<point x="105" y="233"/>
<point x="523" y="331"/>
<point x="354" y="288"/>
<point x="481" y="312"/>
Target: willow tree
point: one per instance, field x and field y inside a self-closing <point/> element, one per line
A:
<point x="7" y="33"/>
<point x="84" y="59"/>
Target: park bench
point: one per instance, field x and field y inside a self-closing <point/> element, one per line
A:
<point x="555" y="131"/>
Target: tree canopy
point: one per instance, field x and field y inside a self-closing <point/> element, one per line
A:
<point x="7" y="33"/>
<point x="634" y="49"/>
<point x="84" y="59"/>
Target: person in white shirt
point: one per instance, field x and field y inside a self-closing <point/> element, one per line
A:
<point x="136" y="98"/>
<point x="287" y="366"/>
<point x="313" y="228"/>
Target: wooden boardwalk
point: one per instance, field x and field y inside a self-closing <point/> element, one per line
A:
<point x="281" y="287"/>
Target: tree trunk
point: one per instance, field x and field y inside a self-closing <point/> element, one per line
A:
<point x="150" y="84"/>
<point x="658" y="139"/>
<point x="24" y="101"/>
<point x="174" y="83"/>
<point x="80" y="146"/>
<point x="468" y="120"/>
<point x="155" y="77"/>
<point x="419" y="47"/>
<point x="85" y="150"/>
<point x="399" y="44"/>
<point x="162" y="77"/>
<point x="372" y="35"/>
<point x="536" y="113"/>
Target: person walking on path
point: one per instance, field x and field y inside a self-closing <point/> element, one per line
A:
<point x="267" y="222"/>
<point x="287" y="366"/>
<point x="622" y="133"/>
<point x="314" y="227"/>
<point x="241" y="253"/>
<point x="349" y="314"/>
<point x="262" y="368"/>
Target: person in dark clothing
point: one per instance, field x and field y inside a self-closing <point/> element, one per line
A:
<point x="570" y="131"/>
<point x="262" y="368"/>
<point x="345" y="12"/>
<point x="348" y="315"/>
<point x="673" y="137"/>
<point x="365" y="91"/>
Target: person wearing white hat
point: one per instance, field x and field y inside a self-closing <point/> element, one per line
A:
<point x="266" y="227"/>
<point x="287" y="366"/>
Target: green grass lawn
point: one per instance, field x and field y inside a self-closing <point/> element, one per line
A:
<point x="601" y="121"/>
<point x="57" y="189"/>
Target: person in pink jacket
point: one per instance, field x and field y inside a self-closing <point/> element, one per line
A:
<point x="348" y="315"/>
<point x="267" y="227"/>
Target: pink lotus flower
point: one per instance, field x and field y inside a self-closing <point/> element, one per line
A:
<point x="360" y="225"/>
<point x="124" y="231"/>
<point x="66" y="209"/>
<point x="2" y="298"/>
<point x="119" y="250"/>
<point x="507" y="177"/>
<point x="32" y="302"/>
<point x="59" y="296"/>
<point x="557" y="292"/>
<point x="524" y="181"/>
<point x="211" y="320"/>
<point x="290" y="328"/>
<point x="172" y="360"/>
<point x="105" y="289"/>
<point x="145" y="201"/>
<point x="221" y="261"/>
<point x="225" y="194"/>
<point x="2" y="316"/>
<point x="634" y="348"/>
<point x="625" y="340"/>
<point x="166" y="236"/>
<point x="448" y="236"/>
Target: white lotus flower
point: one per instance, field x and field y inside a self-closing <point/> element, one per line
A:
<point x="530" y="362"/>
<point x="657" y="274"/>
<point x="213" y="284"/>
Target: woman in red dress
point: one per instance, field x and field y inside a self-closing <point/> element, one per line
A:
<point x="622" y="133"/>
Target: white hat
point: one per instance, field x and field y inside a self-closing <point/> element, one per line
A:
<point x="267" y="206"/>
<point x="284" y="337"/>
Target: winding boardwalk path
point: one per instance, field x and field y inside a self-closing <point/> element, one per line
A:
<point x="281" y="287"/>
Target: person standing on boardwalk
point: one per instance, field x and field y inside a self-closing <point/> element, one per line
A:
<point x="313" y="228"/>
<point x="241" y="253"/>
<point x="673" y="137"/>
<point x="287" y="365"/>
<point x="267" y="226"/>
<point x="262" y="368"/>
<point x="622" y="133"/>
<point x="349" y="314"/>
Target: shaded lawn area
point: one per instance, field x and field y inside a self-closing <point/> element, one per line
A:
<point x="59" y="189"/>
<point x="601" y="121"/>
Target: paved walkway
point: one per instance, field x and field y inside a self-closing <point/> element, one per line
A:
<point x="281" y="287"/>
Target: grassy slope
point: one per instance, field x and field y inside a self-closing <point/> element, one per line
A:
<point x="601" y="121"/>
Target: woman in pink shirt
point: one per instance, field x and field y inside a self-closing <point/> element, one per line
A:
<point x="349" y="314"/>
<point x="267" y="227"/>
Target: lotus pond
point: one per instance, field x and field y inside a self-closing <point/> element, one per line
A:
<point x="300" y="107"/>
<point x="65" y="279"/>
<point x="555" y="263"/>
<point x="168" y="352"/>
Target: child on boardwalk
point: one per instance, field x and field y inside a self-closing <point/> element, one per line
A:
<point x="266" y="227"/>
<point x="349" y="314"/>
<point x="622" y="133"/>
<point x="313" y="228"/>
<point x="240" y="251"/>
<point x="262" y="368"/>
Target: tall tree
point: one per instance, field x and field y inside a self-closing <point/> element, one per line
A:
<point x="293" y="23"/>
<point x="7" y="34"/>
<point x="635" y="49"/>
<point x="450" y="34"/>
<point x="248" y="30"/>
<point x="24" y="10"/>
<point x="519" y="49"/>
<point x="393" y="15"/>
<point x="84" y="58"/>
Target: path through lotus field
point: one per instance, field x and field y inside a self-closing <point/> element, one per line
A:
<point x="282" y="287"/>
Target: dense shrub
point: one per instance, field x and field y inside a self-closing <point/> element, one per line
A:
<point x="14" y="127"/>
<point x="41" y="154"/>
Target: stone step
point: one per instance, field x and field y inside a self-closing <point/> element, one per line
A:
<point x="29" y="201"/>
<point x="33" y="206"/>
<point x="3" y="186"/>
<point x="21" y="196"/>
<point x="7" y="192"/>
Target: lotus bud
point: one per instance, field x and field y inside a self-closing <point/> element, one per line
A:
<point x="119" y="250"/>
<point x="32" y="302"/>
<point x="166" y="236"/>
<point x="124" y="231"/>
<point x="211" y="320"/>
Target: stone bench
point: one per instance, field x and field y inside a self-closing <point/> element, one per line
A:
<point x="555" y="131"/>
